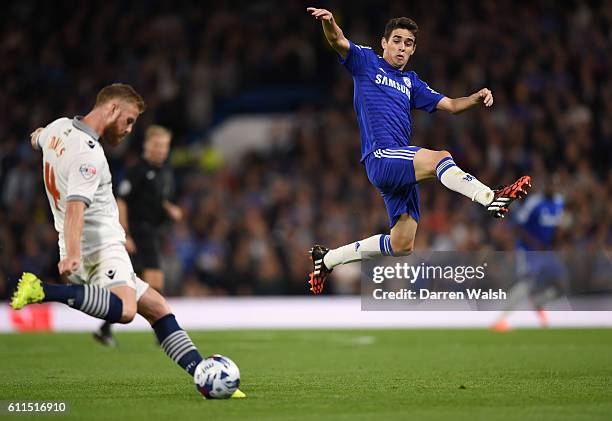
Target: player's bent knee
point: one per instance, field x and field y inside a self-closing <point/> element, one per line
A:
<point x="437" y="157"/>
<point x="402" y="247"/>
<point x="443" y="154"/>
<point x="128" y="314"/>
<point x="426" y="161"/>
<point x="404" y="250"/>
<point x="127" y="295"/>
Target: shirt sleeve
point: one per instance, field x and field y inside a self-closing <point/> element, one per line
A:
<point x="41" y="138"/>
<point x="84" y="175"/>
<point x="356" y="58"/>
<point x="423" y="97"/>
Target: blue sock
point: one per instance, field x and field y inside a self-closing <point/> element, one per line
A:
<point x="176" y="343"/>
<point x="90" y="299"/>
<point x="385" y="245"/>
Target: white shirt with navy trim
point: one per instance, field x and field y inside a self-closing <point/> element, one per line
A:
<point x="75" y="169"/>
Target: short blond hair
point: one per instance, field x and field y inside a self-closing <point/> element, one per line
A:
<point x="156" y="130"/>
<point x="121" y="91"/>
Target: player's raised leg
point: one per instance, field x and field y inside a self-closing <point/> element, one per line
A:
<point x="324" y="260"/>
<point x="117" y="305"/>
<point x="403" y="234"/>
<point x="391" y="172"/>
<point x="429" y="164"/>
<point x="104" y="335"/>
<point x="175" y="342"/>
<point x="127" y="294"/>
<point x="440" y="164"/>
<point x="399" y="243"/>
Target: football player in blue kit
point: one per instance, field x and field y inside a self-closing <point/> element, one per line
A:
<point x="541" y="273"/>
<point x="384" y="95"/>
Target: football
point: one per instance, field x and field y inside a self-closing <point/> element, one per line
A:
<point x="217" y="377"/>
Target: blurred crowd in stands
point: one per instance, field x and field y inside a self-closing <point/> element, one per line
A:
<point x="248" y="227"/>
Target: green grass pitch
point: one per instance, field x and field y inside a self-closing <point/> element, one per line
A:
<point x="558" y="374"/>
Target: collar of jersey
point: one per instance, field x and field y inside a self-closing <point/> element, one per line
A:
<point x="77" y="122"/>
<point x="387" y="66"/>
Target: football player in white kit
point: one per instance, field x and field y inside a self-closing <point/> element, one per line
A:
<point x="93" y="257"/>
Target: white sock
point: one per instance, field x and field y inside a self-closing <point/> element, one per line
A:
<point x="458" y="180"/>
<point x="377" y="245"/>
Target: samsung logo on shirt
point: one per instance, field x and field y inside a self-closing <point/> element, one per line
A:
<point x="402" y="87"/>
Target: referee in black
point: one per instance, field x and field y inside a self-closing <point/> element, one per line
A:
<point x="143" y="199"/>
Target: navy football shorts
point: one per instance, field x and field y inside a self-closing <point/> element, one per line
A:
<point x="391" y="171"/>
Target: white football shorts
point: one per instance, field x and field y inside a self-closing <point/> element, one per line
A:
<point x="108" y="268"/>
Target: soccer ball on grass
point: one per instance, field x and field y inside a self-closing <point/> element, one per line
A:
<point x="217" y="377"/>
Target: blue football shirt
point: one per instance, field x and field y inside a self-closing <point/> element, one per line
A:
<point x="539" y="216"/>
<point x="383" y="98"/>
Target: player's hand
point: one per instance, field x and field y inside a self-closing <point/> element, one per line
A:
<point x="485" y="96"/>
<point x="174" y="212"/>
<point x="68" y="265"/>
<point x="320" y="14"/>
<point x="130" y="245"/>
<point x="34" y="138"/>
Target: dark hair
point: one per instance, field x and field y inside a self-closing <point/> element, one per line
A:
<point x="404" y="23"/>
<point x="121" y="91"/>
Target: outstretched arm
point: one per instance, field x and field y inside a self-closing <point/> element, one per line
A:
<point x="174" y="212"/>
<point x="332" y="31"/>
<point x="459" y="105"/>
<point x="73" y="228"/>
<point x="34" y="138"/>
<point x="130" y="245"/>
